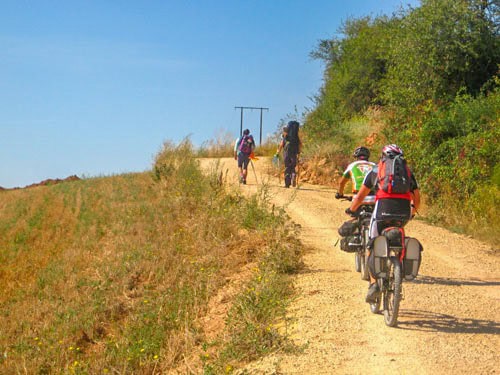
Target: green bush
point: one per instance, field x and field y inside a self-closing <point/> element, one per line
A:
<point x="433" y="70"/>
<point x="454" y="152"/>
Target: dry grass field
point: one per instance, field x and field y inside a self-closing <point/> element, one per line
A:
<point x="118" y="274"/>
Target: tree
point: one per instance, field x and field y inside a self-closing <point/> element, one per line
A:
<point x="355" y="65"/>
<point x="440" y="49"/>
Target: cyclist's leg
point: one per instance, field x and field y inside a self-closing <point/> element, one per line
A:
<point x="373" y="223"/>
<point x="372" y="234"/>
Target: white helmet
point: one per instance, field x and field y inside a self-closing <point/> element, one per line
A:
<point x="391" y="151"/>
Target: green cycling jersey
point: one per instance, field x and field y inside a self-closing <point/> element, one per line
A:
<point x="357" y="171"/>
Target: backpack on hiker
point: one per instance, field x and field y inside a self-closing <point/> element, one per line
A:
<point x="292" y="138"/>
<point x="246" y="144"/>
<point x="393" y="175"/>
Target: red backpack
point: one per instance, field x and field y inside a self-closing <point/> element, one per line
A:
<point x="394" y="175"/>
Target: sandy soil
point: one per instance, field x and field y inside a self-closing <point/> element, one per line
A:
<point x="450" y="316"/>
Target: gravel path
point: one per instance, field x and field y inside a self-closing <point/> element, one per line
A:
<point x="450" y="316"/>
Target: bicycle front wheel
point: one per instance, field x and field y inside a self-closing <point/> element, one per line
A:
<point x="392" y="294"/>
<point x="364" y="256"/>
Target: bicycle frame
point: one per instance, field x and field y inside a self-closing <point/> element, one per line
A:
<point x="360" y="238"/>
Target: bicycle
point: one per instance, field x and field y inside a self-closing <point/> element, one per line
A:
<point x="357" y="240"/>
<point x="394" y="258"/>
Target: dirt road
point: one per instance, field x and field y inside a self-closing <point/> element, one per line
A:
<point x="450" y="316"/>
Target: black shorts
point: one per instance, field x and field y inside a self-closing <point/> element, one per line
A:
<point x="392" y="213"/>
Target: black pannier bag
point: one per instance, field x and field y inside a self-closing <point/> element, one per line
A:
<point x="412" y="259"/>
<point x="348" y="228"/>
<point x="350" y="241"/>
<point x="350" y="244"/>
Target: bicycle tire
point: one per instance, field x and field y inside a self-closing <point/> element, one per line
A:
<point x="392" y="293"/>
<point x="358" y="262"/>
<point x="365" y="275"/>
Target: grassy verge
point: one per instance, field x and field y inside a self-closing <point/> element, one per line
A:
<point x="256" y="322"/>
<point x="114" y="274"/>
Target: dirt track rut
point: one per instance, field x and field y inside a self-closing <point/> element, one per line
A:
<point x="449" y="320"/>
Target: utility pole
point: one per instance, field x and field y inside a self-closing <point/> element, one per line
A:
<point x="241" y="119"/>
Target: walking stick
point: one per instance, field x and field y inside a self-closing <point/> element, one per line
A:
<point x="279" y="172"/>
<point x="277" y="167"/>
<point x="255" y="174"/>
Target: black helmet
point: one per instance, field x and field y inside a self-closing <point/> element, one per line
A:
<point x="246" y="132"/>
<point x="361" y="153"/>
<point x="293" y="123"/>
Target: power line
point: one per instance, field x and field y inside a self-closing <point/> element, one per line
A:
<point x="241" y="119"/>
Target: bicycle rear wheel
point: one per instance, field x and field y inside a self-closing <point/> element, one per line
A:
<point x="357" y="261"/>
<point x="392" y="293"/>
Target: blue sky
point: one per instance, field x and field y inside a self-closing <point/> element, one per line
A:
<point x="95" y="87"/>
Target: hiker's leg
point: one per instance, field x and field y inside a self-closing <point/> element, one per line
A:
<point x="288" y="169"/>
<point x="293" y="162"/>
<point x="245" y="168"/>
<point x="293" y="166"/>
<point x="241" y="165"/>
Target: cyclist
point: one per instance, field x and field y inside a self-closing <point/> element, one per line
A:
<point x="356" y="171"/>
<point x="387" y="206"/>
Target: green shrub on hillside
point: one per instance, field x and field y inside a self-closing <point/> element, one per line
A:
<point x="454" y="152"/>
<point x="433" y="71"/>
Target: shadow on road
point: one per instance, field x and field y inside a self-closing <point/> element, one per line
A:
<point x="422" y="279"/>
<point x="316" y="190"/>
<point x="307" y="270"/>
<point x="419" y="320"/>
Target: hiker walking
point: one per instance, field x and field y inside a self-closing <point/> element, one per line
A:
<point x="243" y="147"/>
<point x="291" y="146"/>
